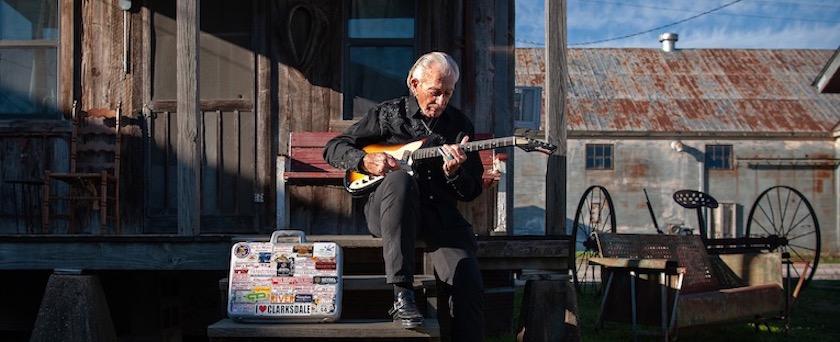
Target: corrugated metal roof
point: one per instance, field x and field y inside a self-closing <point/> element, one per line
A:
<point x="702" y="90"/>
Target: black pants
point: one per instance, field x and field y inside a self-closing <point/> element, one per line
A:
<point x="395" y="214"/>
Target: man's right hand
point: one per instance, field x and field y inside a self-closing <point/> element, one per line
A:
<point x="378" y="164"/>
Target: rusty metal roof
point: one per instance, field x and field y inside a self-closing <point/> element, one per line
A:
<point x="682" y="91"/>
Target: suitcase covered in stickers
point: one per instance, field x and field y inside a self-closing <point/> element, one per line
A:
<point x="285" y="280"/>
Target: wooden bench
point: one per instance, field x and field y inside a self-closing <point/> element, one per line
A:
<point x="671" y="281"/>
<point x="311" y="196"/>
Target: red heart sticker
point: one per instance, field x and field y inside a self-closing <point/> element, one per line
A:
<point x="262" y="308"/>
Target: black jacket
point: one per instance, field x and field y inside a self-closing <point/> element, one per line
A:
<point x="399" y="121"/>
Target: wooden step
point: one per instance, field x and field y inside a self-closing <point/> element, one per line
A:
<point x="367" y="296"/>
<point x="361" y="329"/>
<point x="377" y="282"/>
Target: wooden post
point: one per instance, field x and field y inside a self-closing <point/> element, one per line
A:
<point x="549" y="309"/>
<point x="555" y="83"/>
<point x="489" y="91"/>
<point x="265" y="152"/>
<point x="65" y="56"/>
<point x="189" y="138"/>
<point x="505" y="84"/>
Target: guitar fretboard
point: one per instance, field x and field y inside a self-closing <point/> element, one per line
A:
<point x="471" y="146"/>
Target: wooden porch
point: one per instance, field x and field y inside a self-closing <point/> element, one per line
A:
<point x="178" y="265"/>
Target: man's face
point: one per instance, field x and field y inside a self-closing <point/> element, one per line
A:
<point x="433" y="91"/>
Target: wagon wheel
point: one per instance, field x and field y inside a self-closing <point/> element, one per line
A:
<point x="594" y="214"/>
<point x="785" y="212"/>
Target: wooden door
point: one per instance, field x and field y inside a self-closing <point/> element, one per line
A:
<point x="229" y="123"/>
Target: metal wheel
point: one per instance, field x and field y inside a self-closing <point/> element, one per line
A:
<point x="785" y="212"/>
<point x="594" y="214"/>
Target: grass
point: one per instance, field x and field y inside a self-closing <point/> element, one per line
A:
<point x="813" y="318"/>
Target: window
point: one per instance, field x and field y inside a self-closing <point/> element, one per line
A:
<point x="527" y="106"/>
<point x="599" y="156"/>
<point x="226" y="62"/>
<point x="380" y="50"/>
<point x="719" y="157"/>
<point x="29" y="41"/>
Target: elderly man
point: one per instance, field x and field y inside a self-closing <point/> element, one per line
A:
<point x="418" y="201"/>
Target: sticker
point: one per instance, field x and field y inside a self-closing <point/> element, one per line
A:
<point x="265" y="257"/>
<point x="286" y="267"/>
<point x="282" y="298"/>
<point x="262" y="272"/>
<point x="325" y="265"/>
<point x="241" y="250"/>
<point x="324" y="250"/>
<point x="248" y="296"/>
<point x="303" y="250"/>
<point x="241" y="308"/>
<point x="325" y="309"/>
<point x="325" y="280"/>
<point x="303" y="298"/>
<point x="284" y="309"/>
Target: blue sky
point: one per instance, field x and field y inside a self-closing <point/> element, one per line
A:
<point x="704" y="24"/>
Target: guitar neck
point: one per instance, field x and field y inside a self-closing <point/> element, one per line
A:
<point x="471" y="146"/>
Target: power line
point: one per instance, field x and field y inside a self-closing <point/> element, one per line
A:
<point x="529" y="42"/>
<point x="831" y="5"/>
<point x="660" y="27"/>
<point x="798" y="3"/>
<point x="731" y="14"/>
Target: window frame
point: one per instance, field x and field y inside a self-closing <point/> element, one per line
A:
<point x="532" y="120"/>
<point x="347" y="113"/>
<point x="607" y="162"/>
<point x="63" y="47"/>
<point x="716" y="154"/>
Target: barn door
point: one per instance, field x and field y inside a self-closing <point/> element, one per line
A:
<point x="228" y="122"/>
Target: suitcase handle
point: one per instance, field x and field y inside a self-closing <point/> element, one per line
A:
<point x="288" y="235"/>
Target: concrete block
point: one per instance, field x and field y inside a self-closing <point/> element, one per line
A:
<point x="73" y="309"/>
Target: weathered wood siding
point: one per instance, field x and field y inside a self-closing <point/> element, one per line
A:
<point x="308" y="91"/>
<point x="92" y="71"/>
<point x="299" y="91"/>
<point x="23" y="158"/>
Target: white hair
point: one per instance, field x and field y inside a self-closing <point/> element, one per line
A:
<point x="425" y="62"/>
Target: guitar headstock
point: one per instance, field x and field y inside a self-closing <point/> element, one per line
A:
<point x="533" y="145"/>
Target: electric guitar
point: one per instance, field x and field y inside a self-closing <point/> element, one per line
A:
<point x="360" y="184"/>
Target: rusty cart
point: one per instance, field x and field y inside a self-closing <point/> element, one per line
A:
<point x="781" y="219"/>
<point x="782" y="229"/>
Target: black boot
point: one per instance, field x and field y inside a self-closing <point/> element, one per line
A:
<point x="405" y="310"/>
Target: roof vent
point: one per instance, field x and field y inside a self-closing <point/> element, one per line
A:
<point x="668" y="40"/>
